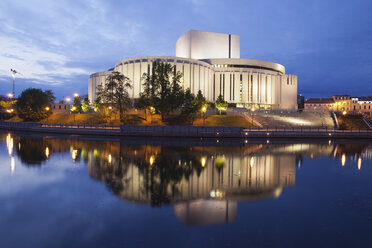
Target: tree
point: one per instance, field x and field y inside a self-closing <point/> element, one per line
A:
<point x="32" y="104"/>
<point x="114" y="93"/>
<point x="221" y="104"/>
<point x="162" y="89"/>
<point x="85" y="105"/>
<point x="188" y="108"/>
<point x="201" y="103"/>
<point x="77" y="104"/>
<point x="97" y="104"/>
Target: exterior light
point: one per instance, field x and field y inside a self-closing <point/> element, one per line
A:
<point x="74" y="154"/>
<point x="251" y="162"/>
<point x="10" y="95"/>
<point x="343" y="159"/>
<point x="359" y="163"/>
<point x="204" y="109"/>
<point x="344" y="113"/>
<point x="73" y="108"/>
<point x="253" y="109"/>
<point x="47" y="152"/>
<point x="152" y="158"/>
<point x="10" y="110"/>
<point x="109" y="107"/>
<point x="109" y="158"/>
<point x="203" y="161"/>
<point x="76" y="95"/>
<point x="47" y="108"/>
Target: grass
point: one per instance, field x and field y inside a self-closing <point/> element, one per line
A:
<point x="139" y="119"/>
<point x="348" y="122"/>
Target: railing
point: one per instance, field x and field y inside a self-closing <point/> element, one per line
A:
<point x="304" y="129"/>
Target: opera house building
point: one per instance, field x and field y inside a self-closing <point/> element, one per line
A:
<point x="211" y="62"/>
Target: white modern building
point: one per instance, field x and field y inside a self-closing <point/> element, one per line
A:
<point x="211" y="62"/>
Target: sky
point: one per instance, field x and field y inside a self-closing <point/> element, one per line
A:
<point x="57" y="44"/>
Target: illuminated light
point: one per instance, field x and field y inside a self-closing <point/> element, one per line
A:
<point x="251" y="162"/>
<point x="135" y="152"/>
<point x="10" y="95"/>
<point x="212" y="193"/>
<point x="253" y="109"/>
<point x="246" y="141"/>
<point x="109" y="107"/>
<point x="218" y="141"/>
<point x="330" y="134"/>
<point x="218" y="133"/>
<point x="109" y="158"/>
<point x="152" y="158"/>
<point x="203" y="161"/>
<point x="9" y="144"/>
<point x="329" y="142"/>
<point x="311" y="155"/>
<point x="47" y="152"/>
<point x="73" y="108"/>
<point x="267" y="141"/>
<point x="47" y="108"/>
<point x="74" y="154"/>
<point x="359" y="163"/>
<point x="68" y="99"/>
<point x="76" y="95"/>
<point x="10" y="110"/>
<point x="268" y="134"/>
<point x="344" y="113"/>
<point x="204" y="109"/>
<point x="19" y="146"/>
<point x="12" y="165"/>
<point x="278" y="191"/>
<point x="343" y="159"/>
<point x="246" y="133"/>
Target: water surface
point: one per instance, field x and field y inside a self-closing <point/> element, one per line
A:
<point x="75" y="191"/>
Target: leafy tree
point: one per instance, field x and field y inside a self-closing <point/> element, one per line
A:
<point x="162" y="89"/>
<point x="32" y="103"/>
<point x="221" y="104"/>
<point x="200" y="102"/>
<point x="114" y="93"/>
<point x="85" y="105"/>
<point x="4" y="104"/>
<point x="188" y="108"/>
<point x="97" y="104"/>
<point x="77" y="104"/>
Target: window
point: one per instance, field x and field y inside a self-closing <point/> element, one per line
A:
<point x="59" y="106"/>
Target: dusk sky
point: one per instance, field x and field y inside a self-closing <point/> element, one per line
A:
<point x="57" y="44"/>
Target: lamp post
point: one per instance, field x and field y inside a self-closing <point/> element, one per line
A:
<point x="73" y="111"/>
<point x="10" y="95"/>
<point x="110" y="108"/>
<point x="204" y="110"/>
<point x="252" y="110"/>
<point x="14" y="72"/>
<point x="47" y="109"/>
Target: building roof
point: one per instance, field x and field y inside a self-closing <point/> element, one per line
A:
<point x="364" y="98"/>
<point x="320" y="100"/>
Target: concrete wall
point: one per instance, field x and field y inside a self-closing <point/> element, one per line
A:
<point x="203" y="45"/>
<point x="248" y="83"/>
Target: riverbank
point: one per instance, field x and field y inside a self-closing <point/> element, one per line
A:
<point x="185" y="131"/>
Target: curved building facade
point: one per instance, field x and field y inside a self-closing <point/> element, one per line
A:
<point x="246" y="82"/>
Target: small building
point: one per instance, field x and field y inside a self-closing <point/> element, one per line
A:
<point x="342" y="103"/>
<point x="362" y="105"/>
<point x="319" y="104"/>
<point x="60" y="108"/>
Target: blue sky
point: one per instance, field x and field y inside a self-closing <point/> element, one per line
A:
<point x="58" y="44"/>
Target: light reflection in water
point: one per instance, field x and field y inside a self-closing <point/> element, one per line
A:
<point x="197" y="179"/>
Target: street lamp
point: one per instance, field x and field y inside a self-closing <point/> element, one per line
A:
<point x="344" y="113"/>
<point x="76" y="95"/>
<point x="110" y="108"/>
<point x="10" y="95"/>
<point x="68" y="99"/>
<point x="10" y="111"/>
<point x="47" y="109"/>
<point x="73" y="111"/>
<point x="252" y="110"/>
<point x="204" y="110"/>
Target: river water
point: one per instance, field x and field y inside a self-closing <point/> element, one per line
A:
<point x="58" y="191"/>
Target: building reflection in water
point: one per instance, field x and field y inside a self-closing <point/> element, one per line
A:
<point x="204" y="184"/>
